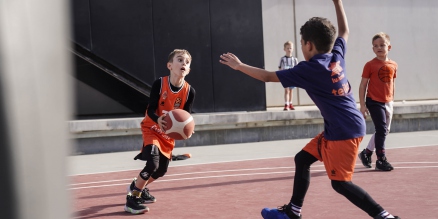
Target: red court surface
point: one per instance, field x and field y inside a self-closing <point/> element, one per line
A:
<point x="241" y="189"/>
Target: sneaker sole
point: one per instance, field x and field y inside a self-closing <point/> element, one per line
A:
<point x="148" y="202"/>
<point x="384" y="170"/>
<point x="132" y="211"/>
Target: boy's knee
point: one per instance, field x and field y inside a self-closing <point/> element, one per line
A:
<point x="304" y="158"/>
<point x="159" y="173"/>
<point x="338" y="186"/>
<point x="148" y="171"/>
<point x="346" y="188"/>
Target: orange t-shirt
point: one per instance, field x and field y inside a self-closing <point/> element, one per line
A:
<point x="169" y="100"/>
<point x="381" y="76"/>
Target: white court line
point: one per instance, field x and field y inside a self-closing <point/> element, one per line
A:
<point x="416" y="167"/>
<point x="194" y="164"/>
<point x="183" y="165"/>
<point x="193" y="173"/>
<point x="218" y="176"/>
<point x="193" y="178"/>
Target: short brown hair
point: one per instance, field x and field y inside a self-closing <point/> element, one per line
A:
<point x="287" y="43"/>
<point x="319" y="31"/>
<point x="382" y="35"/>
<point x="178" y="51"/>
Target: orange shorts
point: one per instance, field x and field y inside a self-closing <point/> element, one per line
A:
<point x="339" y="157"/>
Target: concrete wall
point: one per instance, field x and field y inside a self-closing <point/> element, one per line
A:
<point x="411" y="25"/>
<point x="114" y="135"/>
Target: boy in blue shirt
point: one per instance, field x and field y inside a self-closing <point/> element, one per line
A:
<point x="323" y="77"/>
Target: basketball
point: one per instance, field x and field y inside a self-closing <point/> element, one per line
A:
<point x="386" y="73"/>
<point x="180" y="124"/>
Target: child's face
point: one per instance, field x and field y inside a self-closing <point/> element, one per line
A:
<point x="180" y="65"/>
<point x="381" y="47"/>
<point x="289" y="49"/>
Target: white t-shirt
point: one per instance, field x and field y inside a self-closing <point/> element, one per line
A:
<point x="287" y="62"/>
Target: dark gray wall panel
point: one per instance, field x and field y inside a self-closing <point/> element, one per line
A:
<point x="81" y="23"/>
<point x="236" y="26"/>
<point x="110" y="87"/>
<point x="186" y="25"/>
<point x="121" y="33"/>
<point x="136" y="36"/>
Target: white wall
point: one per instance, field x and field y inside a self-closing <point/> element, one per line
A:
<point x="411" y="25"/>
<point x="278" y="27"/>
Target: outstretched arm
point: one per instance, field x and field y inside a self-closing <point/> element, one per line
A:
<point x="343" y="30"/>
<point x="260" y="74"/>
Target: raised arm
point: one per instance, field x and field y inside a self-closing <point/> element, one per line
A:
<point x="260" y="74"/>
<point x="343" y="30"/>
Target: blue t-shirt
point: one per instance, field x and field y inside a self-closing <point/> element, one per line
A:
<point x="325" y="81"/>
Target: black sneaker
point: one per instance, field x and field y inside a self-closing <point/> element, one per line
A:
<point x="366" y="160"/>
<point x="146" y="197"/>
<point x="134" y="206"/>
<point x="380" y="217"/>
<point x="383" y="165"/>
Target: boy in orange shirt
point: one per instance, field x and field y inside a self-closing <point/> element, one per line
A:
<point x="378" y="80"/>
<point x="167" y="93"/>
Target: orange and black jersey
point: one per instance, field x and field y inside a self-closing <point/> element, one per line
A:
<point x="155" y="96"/>
<point x="164" y="98"/>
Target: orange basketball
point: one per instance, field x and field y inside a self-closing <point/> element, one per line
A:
<point x="180" y="124"/>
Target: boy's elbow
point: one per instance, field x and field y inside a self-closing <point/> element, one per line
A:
<point x="271" y="77"/>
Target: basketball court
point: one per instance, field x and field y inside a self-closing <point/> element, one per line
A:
<point x="238" y="180"/>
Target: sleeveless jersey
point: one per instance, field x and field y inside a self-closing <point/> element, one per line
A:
<point x="169" y="100"/>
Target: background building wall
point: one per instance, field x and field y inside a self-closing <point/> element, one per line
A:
<point x="410" y="24"/>
<point x="257" y="40"/>
<point x="135" y="37"/>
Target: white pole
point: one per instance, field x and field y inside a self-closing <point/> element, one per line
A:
<point x="36" y="98"/>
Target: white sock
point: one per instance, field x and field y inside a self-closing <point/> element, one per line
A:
<point x="296" y="209"/>
<point x="386" y="215"/>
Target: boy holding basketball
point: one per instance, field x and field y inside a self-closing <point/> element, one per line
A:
<point x="378" y="82"/>
<point x="323" y="76"/>
<point x="286" y="62"/>
<point x="167" y="93"/>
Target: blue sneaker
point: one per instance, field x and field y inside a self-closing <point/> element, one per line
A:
<point x="282" y="212"/>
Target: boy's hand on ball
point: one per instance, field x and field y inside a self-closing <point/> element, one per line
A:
<point x="161" y="122"/>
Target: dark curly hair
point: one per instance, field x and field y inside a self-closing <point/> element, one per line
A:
<point x="321" y="32"/>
